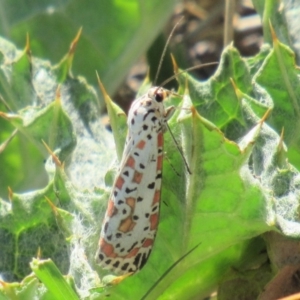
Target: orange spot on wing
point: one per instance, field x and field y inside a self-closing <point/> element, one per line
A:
<point x="147" y="243"/>
<point x="119" y="182"/>
<point x="132" y="253"/>
<point x="137" y="177"/>
<point x="141" y="144"/>
<point x="131" y="202"/>
<point x="127" y="225"/>
<point x="111" y="209"/>
<point x="130" y="162"/>
<point x="156" y="197"/>
<point x="107" y="248"/>
<point x="153" y="221"/>
<point x="160" y="139"/>
<point x="159" y="162"/>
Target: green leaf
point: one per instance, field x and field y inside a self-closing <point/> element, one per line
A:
<point x="26" y="290"/>
<point x="279" y="76"/>
<point x="114" y="33"/>
<point x="47" y="272"/>
<point x="242" y="184"/>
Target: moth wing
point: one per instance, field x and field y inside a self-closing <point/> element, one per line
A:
<point x="130" y="222"/>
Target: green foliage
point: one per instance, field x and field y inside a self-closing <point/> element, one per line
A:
<point x="212" y="222"/>
<point x="114" y="33"/>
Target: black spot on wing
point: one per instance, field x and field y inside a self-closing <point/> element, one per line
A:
<point x="128" y="190"/>
<point x="137" y="260"/>
<point x="105" y="227"/>
<point x="132" y="246"/>
<point x="150" y="111"/>
<point x="116" y="264"/>
<point x="124" y="267"/>
<point x="144" y="259"/>
<point x="151" y="185"/>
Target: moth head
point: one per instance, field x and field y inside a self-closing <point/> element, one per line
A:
<point x="158" y="94"/>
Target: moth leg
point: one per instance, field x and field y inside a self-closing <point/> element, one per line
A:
<point x="169" y="112"/>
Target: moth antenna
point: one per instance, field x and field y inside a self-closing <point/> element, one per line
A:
<point x="165" y="50"/>
<point x="180" y="150"/>
<point x="187" y="70"/>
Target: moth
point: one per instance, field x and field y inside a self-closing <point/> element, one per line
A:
<point x="131" y="219"/>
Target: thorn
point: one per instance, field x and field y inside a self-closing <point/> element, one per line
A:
<point x="5" y="143"/>
<point x="75" y="42"/>
<point x="175" y="66"/>
<point x="66" y="63"/>
<point x="53" y="207"/>
<point x="280" y="144"/>
<point x="54" y="157"/>
<point x="102" y="89"/>
<point x="237" y="91"/>
<point x="233" y="84"/>
<point x="265" y="116"/>
<point x="274" y="37"/>
<point x="39" y="253"/>
<point x="27" y="46"/>
<point x="10" y="193"/>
